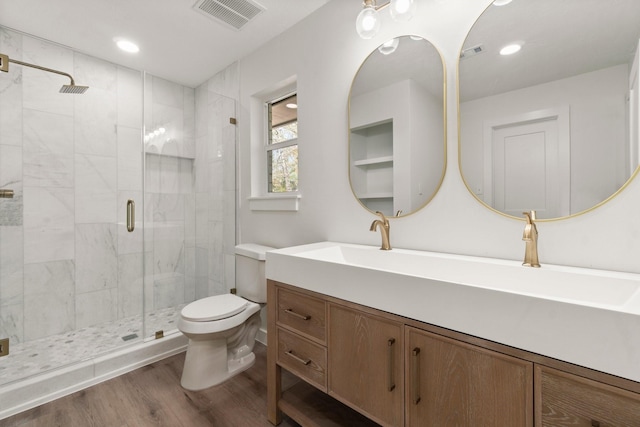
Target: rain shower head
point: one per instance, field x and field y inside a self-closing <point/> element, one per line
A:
<point x="70" y="88"/>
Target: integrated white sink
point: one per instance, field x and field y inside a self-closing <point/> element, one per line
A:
<point x="583" y="316"/>
<point x="555" y="282"/>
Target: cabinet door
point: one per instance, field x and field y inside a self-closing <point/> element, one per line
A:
<point x="366" y="364"/>
<point x="564" y="399"/>
<point x="450" y="383"/>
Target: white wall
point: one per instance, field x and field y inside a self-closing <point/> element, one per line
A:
<point x="324" y="52"/>
<point x="597" y="126"/>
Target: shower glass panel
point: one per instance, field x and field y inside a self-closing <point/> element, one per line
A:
<point x="169" y="146"/>
<point x="71" y="274"/>
<point x="189" y="199"/>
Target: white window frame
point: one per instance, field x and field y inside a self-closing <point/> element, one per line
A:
<point x="261" y="199"/>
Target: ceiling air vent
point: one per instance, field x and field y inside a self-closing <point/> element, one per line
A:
<point x="235" y="13"/>
<point x="472" y="51"/>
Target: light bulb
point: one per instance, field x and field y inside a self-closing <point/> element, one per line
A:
<point x="402" y="10"/>
<point x="367" y="23"/>
<point x="389" y="47"/>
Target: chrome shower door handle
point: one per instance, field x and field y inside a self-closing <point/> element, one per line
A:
<point x="131" y="215"/>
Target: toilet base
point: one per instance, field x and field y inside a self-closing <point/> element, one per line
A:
<point x="207" y="364"/>
<point x="214" y="358"/>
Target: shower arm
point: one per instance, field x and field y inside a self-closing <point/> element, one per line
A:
<point x="4" y="66"/>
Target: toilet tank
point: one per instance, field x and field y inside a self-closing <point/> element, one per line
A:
<point x="251" y="282"/>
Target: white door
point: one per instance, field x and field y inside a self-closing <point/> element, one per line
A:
<point x="530" y="167"/>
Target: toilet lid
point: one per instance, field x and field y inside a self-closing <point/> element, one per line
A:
<point x="214" y="308"/>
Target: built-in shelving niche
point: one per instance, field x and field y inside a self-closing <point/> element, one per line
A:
<point x="372" y="165"/>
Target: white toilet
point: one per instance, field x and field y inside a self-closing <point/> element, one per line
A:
<point x="222" y="329"/>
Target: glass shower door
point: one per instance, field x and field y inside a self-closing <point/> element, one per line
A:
<point x="71" y="274"/>
<point x="190" y="196"/>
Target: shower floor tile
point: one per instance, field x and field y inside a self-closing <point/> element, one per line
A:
<point x="56" y="351"/>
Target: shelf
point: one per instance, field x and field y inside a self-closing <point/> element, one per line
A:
<point x="309" y="406"/>
<point x="168" y="156"/>
<point x="376" y="196"/>
<point x="374" y="161"/>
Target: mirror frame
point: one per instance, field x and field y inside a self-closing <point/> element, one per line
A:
<point x="444" y="130"/>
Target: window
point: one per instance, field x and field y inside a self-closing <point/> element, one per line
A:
<point x="282" y="145"/>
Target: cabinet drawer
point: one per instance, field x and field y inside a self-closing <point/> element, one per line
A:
<point x="302" y="313"/>
<point x="564" y="399"/>
<point x="302" y="357"/>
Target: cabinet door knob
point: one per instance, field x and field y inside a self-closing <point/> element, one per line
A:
<point x="298" y="315"/>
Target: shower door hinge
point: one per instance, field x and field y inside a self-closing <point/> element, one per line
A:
<point x="4" y="63"/>
<point x="233" y="120"/>
<point x="159" y="334"/>
<point x="4" y="347"/>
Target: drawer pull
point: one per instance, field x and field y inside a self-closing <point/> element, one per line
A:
<point x="595" y="423"/>
<point x="415" y="376"/>
<point x="390" y="381"/>
<point x="299" y="359"/>
<point x="299" y="316"/>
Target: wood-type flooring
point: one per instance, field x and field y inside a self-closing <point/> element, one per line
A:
<point x="152" y="396"/>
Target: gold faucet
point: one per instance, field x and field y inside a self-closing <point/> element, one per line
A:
<point x="384" y="230"/>
<point x="530" y="236"/>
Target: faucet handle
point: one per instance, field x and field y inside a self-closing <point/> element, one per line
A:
<point x="530" y="216"/>
<point x="384" y="218"/>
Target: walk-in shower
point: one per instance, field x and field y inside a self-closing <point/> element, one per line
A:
<point x="70" y="88"/>
<point x="85" y="295"/>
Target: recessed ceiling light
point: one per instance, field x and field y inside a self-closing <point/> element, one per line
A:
<point x="127" y="46"/>
<point x="501" y="2"/>
<point x="510" y="49"/>
<point x="292" y="106"/>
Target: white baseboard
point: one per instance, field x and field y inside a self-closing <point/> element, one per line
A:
<point x="261" y="336"/>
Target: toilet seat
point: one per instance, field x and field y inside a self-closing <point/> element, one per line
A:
<point x="214" y="308"/>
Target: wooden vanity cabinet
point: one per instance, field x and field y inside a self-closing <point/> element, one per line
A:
<point x="564" y="399"/>
<point x="366" y="364"/>
<point x="364" y="367"/>
<point x="451" y="383"/>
